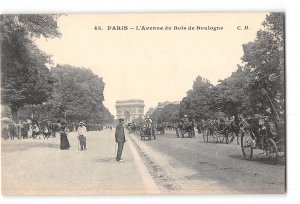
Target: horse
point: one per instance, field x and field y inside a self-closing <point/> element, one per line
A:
<point x="233" y="130"/>
<point x="185" y="127"/>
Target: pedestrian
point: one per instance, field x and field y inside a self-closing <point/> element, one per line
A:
<point x="120" y="138"/>
<point x="35" y="131"/>
<point x="82" y="135"/>
<point x="19" y="127"/>
<point x="12" y="130"/>
<point x="64" y="142"/>
<point x="5" y="131"/>
<point x="24" y="130"/>
<point x="29" y="132"/>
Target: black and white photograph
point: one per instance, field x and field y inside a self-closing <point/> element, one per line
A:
<point x="143" y="104"/>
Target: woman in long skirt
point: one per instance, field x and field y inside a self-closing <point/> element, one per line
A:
<point x="64" y="142"/>
<point x="5" y="131"/>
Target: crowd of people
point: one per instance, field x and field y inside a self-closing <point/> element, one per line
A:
<point x="24" y="129"/>
<point x="27" y="128"/>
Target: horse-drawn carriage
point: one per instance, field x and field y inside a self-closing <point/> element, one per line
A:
<point x="147" y="131"/>
<point x="261" y="133"/>
<point x="220" y="131"/>
<point x="132" y="127"/>
<point x="214" y="131"/>
<point x="160" y="129"/>
<point x="185" y="127"/>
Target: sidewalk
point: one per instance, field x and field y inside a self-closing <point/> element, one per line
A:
<point x="39" y="167"/>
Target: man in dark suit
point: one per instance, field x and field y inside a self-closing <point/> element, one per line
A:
<point x="120" y="138"/>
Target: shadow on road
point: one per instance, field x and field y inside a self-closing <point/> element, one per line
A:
<point x="106" y="160"/>
<point x="259" y="158"/>
<point x="12" y="147"/>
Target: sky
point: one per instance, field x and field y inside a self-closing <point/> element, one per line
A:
<point x="152" y="65"/>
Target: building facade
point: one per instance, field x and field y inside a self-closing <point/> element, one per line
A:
<point x="130" y="109"/>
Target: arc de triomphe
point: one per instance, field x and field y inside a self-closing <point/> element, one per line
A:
<point x="130" y="109"/>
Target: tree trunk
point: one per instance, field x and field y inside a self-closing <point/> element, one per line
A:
<point x="14" y="112"/>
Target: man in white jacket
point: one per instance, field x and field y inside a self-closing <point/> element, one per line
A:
<point x="82" y="135"/>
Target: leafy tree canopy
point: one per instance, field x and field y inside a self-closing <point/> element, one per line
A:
<point x="167" y="113"/>
<point x="25" y="78"/>
<point x="245" y="90"/>
<point x="78" y="94"/>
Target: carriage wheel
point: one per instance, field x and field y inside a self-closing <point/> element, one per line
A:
<point x="271" y="151"/>
<point x="230" y="137"/>
<point x="247" y="146"/>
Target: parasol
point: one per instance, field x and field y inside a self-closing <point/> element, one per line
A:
<point x="6" y="120"/>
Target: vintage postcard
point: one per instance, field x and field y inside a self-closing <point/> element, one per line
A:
<point x="143" y="104"/>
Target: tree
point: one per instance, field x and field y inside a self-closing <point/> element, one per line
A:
<point x="150" y="111"/>
<point x="24" y="77"/>
<point x="171" y="113"/>
<point x="198" y="102"/>
<point x="78" y="95"/>
<point x="244" y="89"/>
<point x="167" y="113"/>
<point x="138" y="120"/>
<point x="231" y="94"/>
<point x="265" y="58"/>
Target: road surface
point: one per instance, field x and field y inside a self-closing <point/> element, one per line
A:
<point x="189" y="165"/>
<point x="31" y="167"/>
<point x="167" y="165"/>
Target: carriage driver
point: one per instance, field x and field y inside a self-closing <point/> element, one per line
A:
<point x="148" y="120"/>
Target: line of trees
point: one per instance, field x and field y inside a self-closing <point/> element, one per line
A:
<point x="169" y="113"/>
<point x="25" y="79"/>
<point x="29" y="88"/>
<point x="78" y="95"/>
<point x="262" y="72"/>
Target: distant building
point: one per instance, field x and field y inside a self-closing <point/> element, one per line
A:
<point x="130" y="109"/>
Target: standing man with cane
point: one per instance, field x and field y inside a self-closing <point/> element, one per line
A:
<point x="120" y="138"/>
